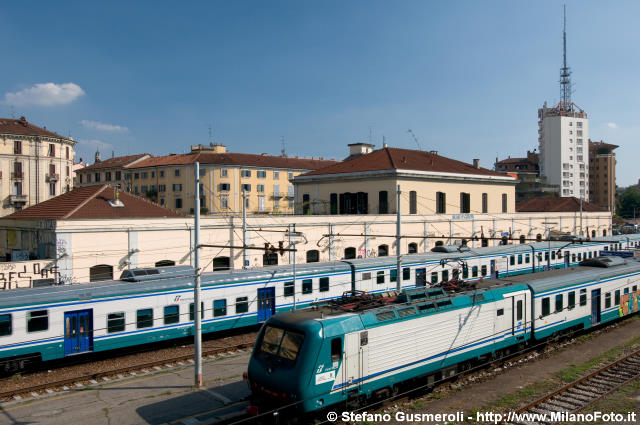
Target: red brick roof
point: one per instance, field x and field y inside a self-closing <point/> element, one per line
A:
<point x="93" y="202"/>
<point x="118" y="161"/>
<point x="25" y="128"/>
<point x="568" y="204"/>
<point x="403" y="159"/>
<point x="235" y="159"/>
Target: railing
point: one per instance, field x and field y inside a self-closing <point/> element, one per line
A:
<point x="18" y="199"/>
<point x="17" y="175"/>
<point x="51" y="177"/>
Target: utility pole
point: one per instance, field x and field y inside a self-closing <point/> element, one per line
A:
<point x="398" y="250"/>
<point x="244" y="228"/>
<point x="548" y="224"/>
<point x="294" y="268"/>
<point x="196" y="288"/>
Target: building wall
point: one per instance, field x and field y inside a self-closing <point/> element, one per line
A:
<point x="131" y="243"/>
<point x="564" y="153"/>
<point x="426" y="190"/>
<point x="36" y="183"/>
<point x="602" y="180"/>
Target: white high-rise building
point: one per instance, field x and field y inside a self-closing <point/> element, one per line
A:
<point x="563" y="139"/>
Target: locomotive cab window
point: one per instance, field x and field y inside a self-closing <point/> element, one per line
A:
<point x="281" y="343"/>
<point x="37" y="320"/>
<point x="336" y="349"/>
<point x="5" y="324"/>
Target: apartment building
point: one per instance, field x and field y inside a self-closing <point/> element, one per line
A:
<point x="35" y="164"/>
<point x="602" y="174"/>
<point x="110" y="171"/>
<point x="265" y="179"/>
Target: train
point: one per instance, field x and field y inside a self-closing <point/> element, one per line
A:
<point x="345" y="356"/>
<point x="156" y="304"/>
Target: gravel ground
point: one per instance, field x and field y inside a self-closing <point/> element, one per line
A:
<point x="19" y="381"/>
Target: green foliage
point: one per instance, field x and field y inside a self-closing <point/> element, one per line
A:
<point x="627" y="201"/>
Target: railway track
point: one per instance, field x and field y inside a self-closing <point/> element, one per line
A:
<point x="86" y="380"/>
<point x="580" y="393"/>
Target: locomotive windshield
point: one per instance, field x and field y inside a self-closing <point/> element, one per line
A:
<point x="281" y="343"/>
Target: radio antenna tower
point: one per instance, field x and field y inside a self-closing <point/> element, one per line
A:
<point x="210" y="138"/>
<point x="565" y="71"/>
<point x="283" y="151"/>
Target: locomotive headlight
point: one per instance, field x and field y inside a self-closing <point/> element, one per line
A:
<point x="319" y="402"/>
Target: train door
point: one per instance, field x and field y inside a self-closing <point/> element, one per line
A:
<point x="355" y="359"/>
<point x="518" y="314"/>
<point x="78" y="332"/>
<point x="567" y="259"/>
<point x="421" y="277"/>
<point x="494" y="270"/>
<point x="595" y="307"/>
<point x="266" y="303"/>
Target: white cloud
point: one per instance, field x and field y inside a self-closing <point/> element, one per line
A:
<point x="612" y="125"/>
<point x="45" y="94"/>
<point x="95" y="144"/>
<point x="102" y="126"/>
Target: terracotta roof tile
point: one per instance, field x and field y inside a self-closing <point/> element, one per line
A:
<point x="567" y="204"/>
<point x="93" y="202"/>
<point x="118" y="161"/>
<point x="403" y="159"/>
<point x="235" y="159"/>
<point x="25" y="128"/>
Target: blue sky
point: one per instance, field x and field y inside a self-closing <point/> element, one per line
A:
<point x="466" y="76"/>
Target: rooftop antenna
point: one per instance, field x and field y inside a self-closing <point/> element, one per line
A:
<point x="370" y="135"/>
<point x="210" y="138"/>
<point x="415" y="139"/>
<point x="565" y="71"/>
<point x="283" y="151"/>
<point x="13" y="112"/>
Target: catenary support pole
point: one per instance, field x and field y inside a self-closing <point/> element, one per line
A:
<point x="196" y="288"/>
<point x="398" y="245"/>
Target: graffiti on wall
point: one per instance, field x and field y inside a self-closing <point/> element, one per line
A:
<point x="26" y="274"/>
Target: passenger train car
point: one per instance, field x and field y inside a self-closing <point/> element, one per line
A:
<point x="149" y="305"/>
<point x="342" y="353"/>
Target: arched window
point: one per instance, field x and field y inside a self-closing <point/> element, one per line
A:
<point x="165" y="263"/>
<point x="313" y="256"/>
<point x="100" y="272"/>
<point x="349" y="253"/>
<point x="221" y="263"/>
<point x="522" y="239"/>
<point x="604" y="232"/>
<point x="593" y="233"/>
<point x="538" y="237"/>
<point x="413" y="248"/>
<point x="383" y="250"/>
<point x="270" y="259"/>
<point x="485" y="242"/>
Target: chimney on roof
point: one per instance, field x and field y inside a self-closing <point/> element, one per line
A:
<point x="433" y="152"/>
<point x="476" y="163"/>
<point x="359" y="149"/>
<point x="116" y="202"/>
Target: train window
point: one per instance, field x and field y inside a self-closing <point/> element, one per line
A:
<point x="171" y="314"/>
<point x="546" y="307"/>
<point x="546" y="256"/>
<point x="519" y="258"/>
<point x="626" y="291"/>
<point x="607" y="300"/>
<point x="380" y="277"/>
<point x="483" y="270"/>
<point x="519" y="310"/>
<point x="393" y="275"/>
<point x="336" y="349"/>
<point x="553" y="255"/>
<point x="635" y="288"/>
<point x="527" y="258"/>
<point x="5" y="324"/>
<point x="289" y="289"/>
<point x="465" y="272"/>
<point x="573" y="257"/>
<point x="37" y="320"/>
<point x="307" y="286"/>
<point x="617" y="297"/>
<point x="404" y="312"/>
<point x="474" y="271"/>
<point x="434" y="277"/>
<point x="500" y="312"/>
<point x="571" y="301"/>
<point x="242" y="305"/>
<point x="281" y="343"/>
<point x="445" y="275"/>
<point x="139" y="273"/>
<point x="406" y="273"/>
<point x="559" y="302"/>
<point x="219" y="308"/>
<point x="364" y="338"/>
<point x="115" y="322"/>
<point x="144" y="318"/>
<point x="385" y="315"/>
<point x="579" y="256"/>
<point x="324" y="284"/>
<point x="191" y="315"/>
<point x="512" y="260"/>
<point x="366" y="276"/>
<point x="583" y="297"/>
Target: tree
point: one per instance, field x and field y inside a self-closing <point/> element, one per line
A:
<point x="628" y="201"/>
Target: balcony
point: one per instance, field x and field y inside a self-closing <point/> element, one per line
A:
<point x="17" y="175"/>
<point x="18" y="199"/>
<point x="51" y="177"/>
